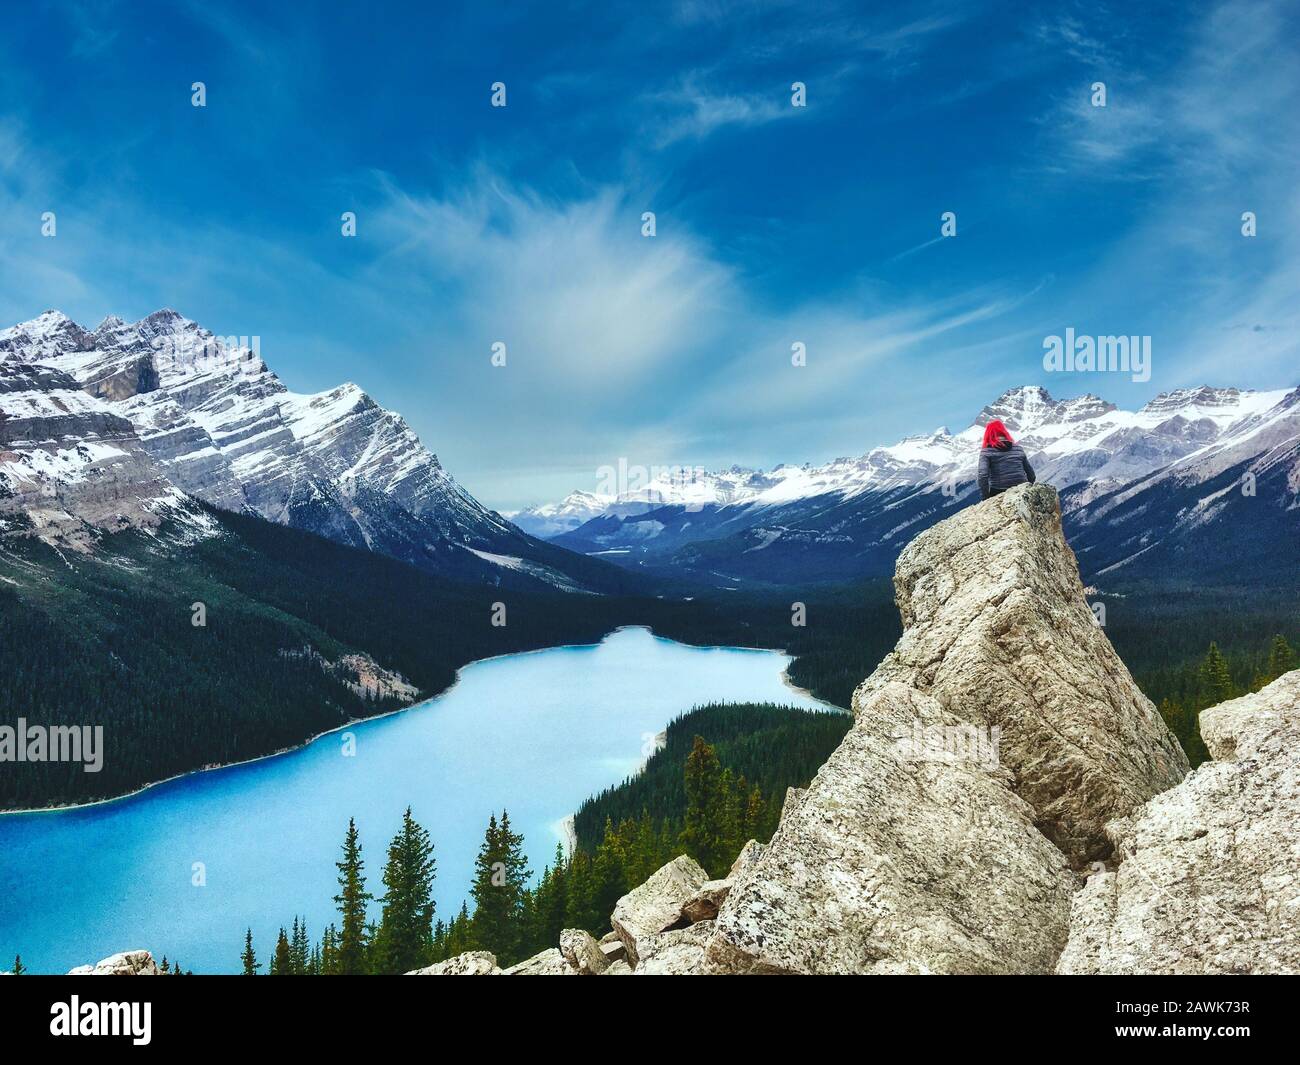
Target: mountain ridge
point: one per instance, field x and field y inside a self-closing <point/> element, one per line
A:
<point x="223" y="428"/>
<point x="851" y="516"/>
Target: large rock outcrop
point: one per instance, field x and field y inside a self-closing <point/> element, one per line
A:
<point x="1209" y="873"/>
<point x="997" y="629"/>
<point x="892" y="862"/>
<point x="988" y="751"/>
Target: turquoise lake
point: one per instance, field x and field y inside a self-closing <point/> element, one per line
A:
<point x="534" y="733"/>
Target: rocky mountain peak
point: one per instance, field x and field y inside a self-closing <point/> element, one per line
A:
<point x="48" y="335"/>
<point x="224" y="428"/>
<point x="1205" y="396"/>
<point x="1083" y="407"/>
<point x="1017" y="406"/>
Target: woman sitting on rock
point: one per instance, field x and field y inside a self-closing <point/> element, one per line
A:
<point x="1002" y="461"/>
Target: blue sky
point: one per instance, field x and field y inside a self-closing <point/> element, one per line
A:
<point x="775" y="224"/>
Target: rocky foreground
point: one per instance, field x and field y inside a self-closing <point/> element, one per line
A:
<point x="1007" y="801"/>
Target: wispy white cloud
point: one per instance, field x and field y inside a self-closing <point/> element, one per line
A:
<point x="691" y="112"/>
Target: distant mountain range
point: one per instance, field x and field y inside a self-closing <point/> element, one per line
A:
<point x="107" y="428"/>
<point x="128" y="423"/>
<point x="1193" y="474"/>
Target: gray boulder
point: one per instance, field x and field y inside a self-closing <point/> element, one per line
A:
<point x="997" y="629"/>
<point x="656" y="905"/>
<point x="549" y="962"/>
<point x="748" y="855"/>
<point x="890" y="863"/>
<point x="1209" y="873"/>
<point x="471" y="963"/>
<point x="677" y="952"/>
<point x="612" y="947"/>
<point x="128" y="963"/>
<point x="582" y="952"/>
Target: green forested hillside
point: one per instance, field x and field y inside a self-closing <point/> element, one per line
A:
<point x="107" y="639"/>
<point x="771" y="747"/>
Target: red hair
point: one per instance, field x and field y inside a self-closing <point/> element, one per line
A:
<point x="995" y="432"/>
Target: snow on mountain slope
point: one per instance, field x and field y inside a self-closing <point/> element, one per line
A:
<point x="1070" y="440"/>
<point x="849" y="517"/>
<point x="1226" y="510"/>
<point x="226" y="430"/>
<point x="551" y="519"/>
<point x="71" y="468"/>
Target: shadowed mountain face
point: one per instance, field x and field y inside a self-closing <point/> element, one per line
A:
<point x="222" y="427"/>
<point x="1130" y="480"/>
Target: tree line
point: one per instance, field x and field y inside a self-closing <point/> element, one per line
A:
<point x="1214" y="679"/>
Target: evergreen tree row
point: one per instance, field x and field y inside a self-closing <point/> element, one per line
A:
<point x="513" y="917"/>
<point x="1215" y="679"/>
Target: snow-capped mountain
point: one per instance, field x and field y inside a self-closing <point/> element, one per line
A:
<point x="851" y="516"/>
<point x="551" y="519"/>
<point x="225" y="429"/>
<point x="1225" y="510"/>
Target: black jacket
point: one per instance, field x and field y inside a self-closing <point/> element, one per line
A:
<point x="1001" y="467"/>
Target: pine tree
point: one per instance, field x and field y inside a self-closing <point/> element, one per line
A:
<point x="458" y="933"/>
<point x="18" y="968"/>
<point x="609" y="879"/>
<point x="755" y="818"/>
<point x="352" y="899"/>
<point x="1216" y="679"/>
<point x="1281" y="659"/>
<point x="282" y="959"/>
<point x="500" y="881"/>
<point x="1184" y="724"/>
<point x="645" y="850"/>
<point x="249" y="957"/>
<point x="299" y="947"/>
<point x="405" y="937"/>
<point x="545" y="919"/>
<point x="701" y="834"/>
<point x="580" y="904"/>
<point x="329" y="954"/>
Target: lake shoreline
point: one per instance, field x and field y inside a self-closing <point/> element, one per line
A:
<point x="66" y="807"/>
